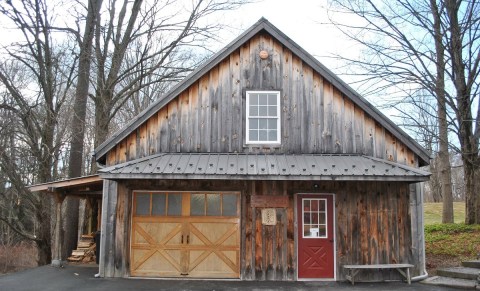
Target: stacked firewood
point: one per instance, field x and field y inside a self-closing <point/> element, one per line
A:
<point x="85" y="251"/>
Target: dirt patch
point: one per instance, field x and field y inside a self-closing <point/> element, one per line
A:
<point x="435" y="262"/>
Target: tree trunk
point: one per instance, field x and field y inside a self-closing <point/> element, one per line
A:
<point x="468" y="142"/>
<point x="443" y="154"/>
<point x="78" y="125"/>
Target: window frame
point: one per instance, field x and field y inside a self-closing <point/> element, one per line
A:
<point x="248" y="117"/>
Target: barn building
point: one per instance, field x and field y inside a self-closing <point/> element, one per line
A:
<point x="261" y="165"/>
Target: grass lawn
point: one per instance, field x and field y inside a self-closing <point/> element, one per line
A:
<point x="433" y="212"/>
<point x="448" y="245"/>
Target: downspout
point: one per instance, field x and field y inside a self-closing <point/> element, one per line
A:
<point x="420" y="217"/>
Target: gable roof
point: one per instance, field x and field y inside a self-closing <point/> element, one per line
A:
<point x="264" y="25"/>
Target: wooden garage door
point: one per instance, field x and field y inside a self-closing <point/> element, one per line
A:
<point x="185" y="235"/>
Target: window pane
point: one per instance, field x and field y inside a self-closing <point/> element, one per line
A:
<point x="314" y="205"/>
<point x="230" y="204"/>
<point x="213" y="205"/>
<point x="272" y="123"/>
<point x="253" y="99"/>
<point x="253" y="123"/>
<point x="158" y="204"/>
<point x="262" y="135"/>
<point x="197" y="204"/>
<point x="306" y="230"/>
<point x="322" y="205"/>
<point x="272" y="99"/>
<point x="174" y="204"/>
<point x="263" y="124"/>
<point x="143" y="204"/>
<point x="322" y="218"/>
<point x="322" y="231"/>
<point x="253" y="110"/>
<point x="263" y="99"/>
<point x="306" y="205"/>
<point x="272" y="135"/>
<point x="262" y="110"/>
<point x="272" y="110"/>
<point x="253" y="135"/>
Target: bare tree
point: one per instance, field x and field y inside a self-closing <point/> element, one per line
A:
<point x="142" y="44"/>
<point x="36" y="76"/>
<point x="409" y="45"/>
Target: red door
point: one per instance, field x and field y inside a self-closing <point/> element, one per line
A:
<point x="315" y="236"/>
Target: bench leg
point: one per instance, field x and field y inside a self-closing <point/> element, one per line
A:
<point x="406" y="274"/>
<point x="351" y="275"/>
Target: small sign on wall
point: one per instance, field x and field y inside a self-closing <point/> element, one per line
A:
<point x="269" y="216"/>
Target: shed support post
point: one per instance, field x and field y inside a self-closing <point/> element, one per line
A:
<point x="107" y="237"/>
<point x="418" y="237"/>
<point x="57" y="254"/>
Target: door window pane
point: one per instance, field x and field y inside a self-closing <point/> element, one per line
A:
<point x="158" y="204"/>
<point x="197" y="204"/>
<point x="142" y="204"/>
<point x="213" y="205"/>
<point x="174" y="204"/>
<point x="229" y="204"/>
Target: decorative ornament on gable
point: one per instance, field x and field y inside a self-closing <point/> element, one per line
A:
<point x="263" y="54"/>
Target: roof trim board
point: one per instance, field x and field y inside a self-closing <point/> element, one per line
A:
<point x="68" y="183"/>
<point x="265" y="25"/>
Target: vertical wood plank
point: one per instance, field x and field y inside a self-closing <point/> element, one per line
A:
<point x="298" y="100"/>
<point x="184" y="127"/>
<point x="369" y="136"/>
<point x="390" y="147"/>
<point x="215" y="102"/>
<point x="107" y="240"/>
<point x="277" y="68"/>
<point x="225" y="107"/>
<point x="152" y="134"/>
<point x="236" y="126"/>
<point x="254" y="234"/>
<point x="310" y="111"/>
<point x="287" y="100"/>
<point x="164" y="135"/>
<point x="338" y="117"/>
<point x="359" y="121"/>
<point x="317" y="108"/>
<point x="205" y="113"/>
<point x="194" y="118"/>
<point x="132" y="146"/>
<point x="328" y="118"/>
<point x="379" y="141"/>
<point x="143" y="136"/>
<point x="348" y="130"/>
<point x="120" y="250"/>
<point x="243" y="239"/>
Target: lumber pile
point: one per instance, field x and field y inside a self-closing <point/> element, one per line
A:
<point x="85" y="251"/>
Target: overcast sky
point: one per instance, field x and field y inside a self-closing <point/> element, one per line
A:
<point x="304" y="21"/>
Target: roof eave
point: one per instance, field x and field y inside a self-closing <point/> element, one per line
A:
<point x="412" y="179"/>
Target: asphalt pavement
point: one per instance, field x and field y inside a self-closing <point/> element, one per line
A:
<point x="74" y="277"/>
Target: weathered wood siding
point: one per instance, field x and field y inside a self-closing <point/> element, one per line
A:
<point x="210" y="115"/>
<point x="373" y="225"/>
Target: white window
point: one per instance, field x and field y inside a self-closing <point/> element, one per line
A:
<point x="263" y="117"/>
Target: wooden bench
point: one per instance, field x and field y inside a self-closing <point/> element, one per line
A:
<point x="353" y="270"/>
